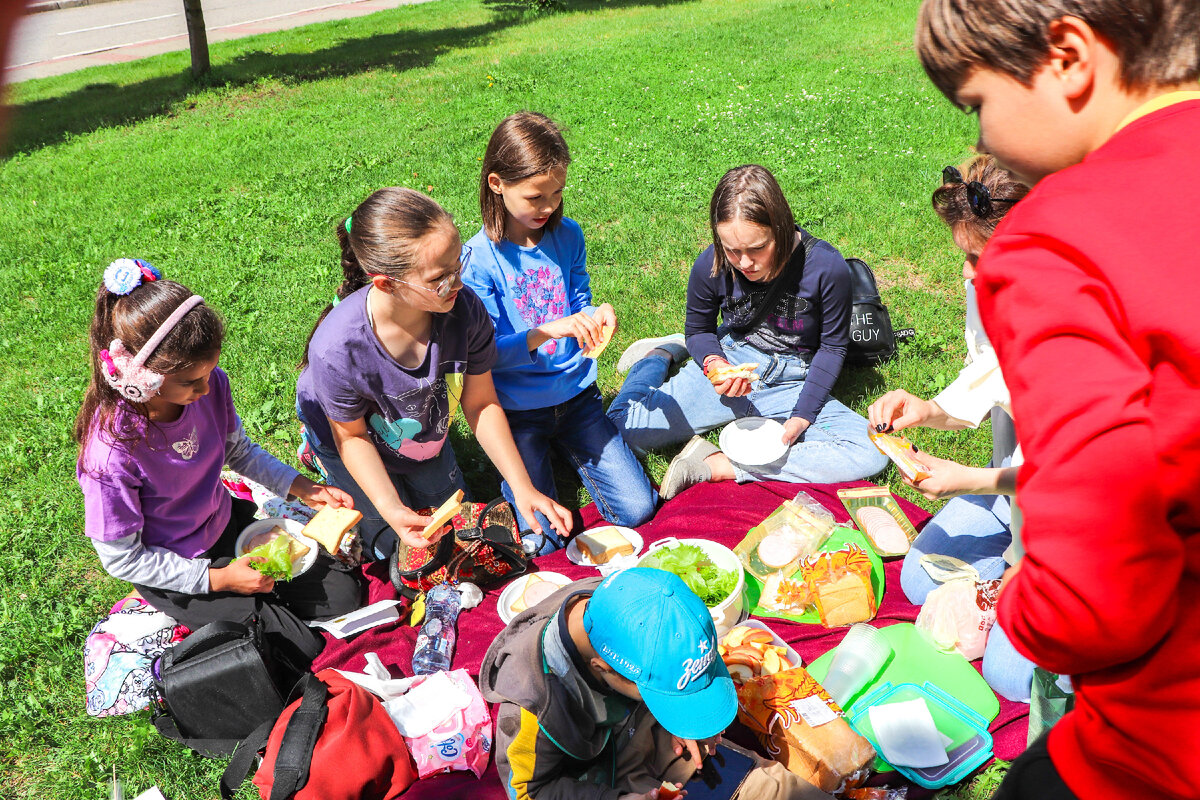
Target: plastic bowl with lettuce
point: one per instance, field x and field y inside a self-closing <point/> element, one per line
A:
<point x="709" y="569"/>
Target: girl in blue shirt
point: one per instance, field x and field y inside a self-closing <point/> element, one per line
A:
<point x="529" y="267"/>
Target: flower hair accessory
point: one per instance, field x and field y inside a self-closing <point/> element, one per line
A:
<point x="126" y="274"/>
<point x="126" y="371"/>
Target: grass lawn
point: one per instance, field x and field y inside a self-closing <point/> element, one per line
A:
<point x="234" y="187"/>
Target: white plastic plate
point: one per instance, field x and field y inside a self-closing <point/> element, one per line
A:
<point x="293" y="528"/>
<point x="576" y="556"/>
<point x="753" y="441"/>
<point x="513" y="591"/>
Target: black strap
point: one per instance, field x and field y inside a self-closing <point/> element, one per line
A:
<point x="165" y="724"/>
<point x="208" y="637"/>
<point x="294" y="757"/>
<point x="789" y="276"/>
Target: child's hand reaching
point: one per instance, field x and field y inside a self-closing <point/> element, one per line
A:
<point x="583" y="326"/>
<point x="240" y="578"/>
<point x="319" y="494"/>
<point x="408" y="525"/>
<point x="530" y="501"/>
<point x="696" y="750"/>
<point x="605" y="315"/>
<point x="899" y="409"/>
<point x="653" y="794"/>
<point x="793" y="429"/>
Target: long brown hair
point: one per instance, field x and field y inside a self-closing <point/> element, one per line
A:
<point x="950" y="199"/>
<point x="133" y="318"/>
<point x="752" y="194"/>
<point x="382" y="237"/>
<point x="523" y="145"/>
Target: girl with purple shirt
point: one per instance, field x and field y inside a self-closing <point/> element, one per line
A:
<point x="156" y="427"/>
<point x="387" y="368"/>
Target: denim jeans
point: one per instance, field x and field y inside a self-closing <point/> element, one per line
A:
<point x="436" y="480"/>
<point x="579" y="432"/>
<point x="653" y="412"/>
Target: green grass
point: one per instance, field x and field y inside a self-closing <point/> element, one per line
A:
<point x="233" y="187"/>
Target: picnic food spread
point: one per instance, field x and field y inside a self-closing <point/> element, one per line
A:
<point x="601" y="545"/>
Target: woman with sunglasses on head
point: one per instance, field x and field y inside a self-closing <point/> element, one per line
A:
<point x="976" y="525"/>
<point x="783" y="298"/>
<point x="387" y="366"/>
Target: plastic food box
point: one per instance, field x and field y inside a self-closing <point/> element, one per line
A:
<point x="970" y="743"/>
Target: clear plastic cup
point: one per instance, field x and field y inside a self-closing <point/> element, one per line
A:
<point x="856" y="661"/>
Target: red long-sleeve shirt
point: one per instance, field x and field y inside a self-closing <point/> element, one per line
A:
<point x="1090" y="292"/>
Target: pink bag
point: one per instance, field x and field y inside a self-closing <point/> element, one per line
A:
<point x="463" y="742"/>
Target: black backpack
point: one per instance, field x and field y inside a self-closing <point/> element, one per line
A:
<point x="872" y="340"/>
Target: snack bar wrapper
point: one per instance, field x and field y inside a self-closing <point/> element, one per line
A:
<point x="803" y="728"/>
<point x="959" y="614"/>
<point x="793" y="531"/>
<point x="840" y="582"/>
<point x="878" y="515"/>
<point x="902" y="454"/>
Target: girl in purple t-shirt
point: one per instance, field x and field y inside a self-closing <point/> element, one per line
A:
<point x="156" y="427"/>
<point x="390" y="363"/>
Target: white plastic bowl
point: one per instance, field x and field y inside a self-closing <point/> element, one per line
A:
<point x="728" y="612"/>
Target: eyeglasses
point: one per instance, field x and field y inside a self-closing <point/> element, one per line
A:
<point x="978" y="197"/>
<point x="446" y="284"/>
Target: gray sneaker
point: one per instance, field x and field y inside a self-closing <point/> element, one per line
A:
<point x="688" y="468"/>
<point x="673" y="344"/>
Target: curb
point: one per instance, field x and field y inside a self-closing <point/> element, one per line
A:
<point x="56" y="5"/>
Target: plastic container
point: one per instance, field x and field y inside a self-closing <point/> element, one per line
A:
<point x="728" y="612"/>
<point x="856" y="662"/>
<point x="970" y="743"/>
<point x="435" y="644"/>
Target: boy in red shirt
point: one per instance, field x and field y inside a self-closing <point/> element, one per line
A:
<point x="1089" y="292"/>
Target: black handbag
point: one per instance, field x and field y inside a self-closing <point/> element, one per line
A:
<point x="216" y="687"/>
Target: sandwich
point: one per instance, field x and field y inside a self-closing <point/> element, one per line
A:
<point x="606" y="334"/>
<point x="447" y="512"/>
<point x="726" y="373"/>
<point x="330" y="526"/>
<point x="536" y="590"/>
<point x="602" y="545"/>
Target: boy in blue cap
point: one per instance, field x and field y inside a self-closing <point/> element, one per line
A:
<point x="607" y="689"/>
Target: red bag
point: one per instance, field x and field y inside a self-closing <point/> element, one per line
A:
<point x="337" y="742"/>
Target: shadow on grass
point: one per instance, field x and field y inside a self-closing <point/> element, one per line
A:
<point x="41" y="123"/>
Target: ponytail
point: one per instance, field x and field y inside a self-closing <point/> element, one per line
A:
<point x="353" y="279"/>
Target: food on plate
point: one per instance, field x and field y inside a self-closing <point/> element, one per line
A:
<point x="879" y="529"/>
<point x="330" y="526"/>
<point x="786" y="595"/>
<point x="536" y="590"/>
<point x="712" y="584"/>
<point x="802" y="727"/>
<point x="902" y="454"/>
<point x="259" y="539"/>
<point x="279" y="556"/>
<point x="841" y="585"/>
<point x="606" y="334"/>
<point x="722" y="374"/>
<point x="779" y="549"/>
<point x="447" y="512"/>
<point x="602" y="545"/>
<point x="749" y="652"/>
<point x="668" y="791"/>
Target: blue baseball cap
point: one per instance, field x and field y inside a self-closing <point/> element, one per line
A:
<point x="652" y="629"/>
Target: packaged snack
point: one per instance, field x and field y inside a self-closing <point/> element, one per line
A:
<point x="803" y="728"/>
<point x="958" y="614"/>
<point x="793" y="531"/>
<point x="878" y="515"/>
<point x="902" y="454"/>
<point x="786" y="595"/>
<point x="840" y="582"/>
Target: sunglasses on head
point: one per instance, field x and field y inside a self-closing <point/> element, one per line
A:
<point x="978" y="197"/>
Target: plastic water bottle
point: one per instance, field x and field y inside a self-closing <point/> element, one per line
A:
<point x="435" y="643"/>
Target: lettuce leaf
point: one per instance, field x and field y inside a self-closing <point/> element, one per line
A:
<point x="711" y="583"/>
<point x="278" y="563"/>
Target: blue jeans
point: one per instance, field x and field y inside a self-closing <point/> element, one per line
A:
<point x="972" y="528"/>
<point x="581" y="434"/>
<point x="653" y="412"/>
<point x="436" y="480"/>
<point x="1009" y="673"/>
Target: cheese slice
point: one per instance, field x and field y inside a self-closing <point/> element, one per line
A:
<point x="330" y="526"/>
<point x="606" y="334"/>
<point x="443" y="515"/>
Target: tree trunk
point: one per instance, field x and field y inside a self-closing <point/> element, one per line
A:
<point x="197" y="36"/>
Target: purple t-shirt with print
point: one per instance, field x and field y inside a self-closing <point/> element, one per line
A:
<point x="350" y="376"/>
<point x="168" y="484"/>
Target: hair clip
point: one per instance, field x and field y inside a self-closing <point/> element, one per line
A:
<point x="106" y="359"/>
<point x="347" y="225"/>
<point x="126" y="274"/>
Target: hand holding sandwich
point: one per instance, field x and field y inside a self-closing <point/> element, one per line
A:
<point x="318" y="495"/>
<point x="727" y="379"/>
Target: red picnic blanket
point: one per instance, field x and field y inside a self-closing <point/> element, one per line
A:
<point x="721" y="512"/>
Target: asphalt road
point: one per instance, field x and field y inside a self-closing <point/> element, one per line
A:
<point x="56" y="42"/>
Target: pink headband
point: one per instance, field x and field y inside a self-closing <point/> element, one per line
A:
<point x="127" y="373"/>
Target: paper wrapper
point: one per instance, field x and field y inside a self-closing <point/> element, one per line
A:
<point x="959" y="614"/>
<point x="841" y="585"/>
<point x="803" y="728"/>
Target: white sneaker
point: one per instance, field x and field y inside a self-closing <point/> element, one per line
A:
<point x="688" y="468"/>
<point x="675" y="344"/>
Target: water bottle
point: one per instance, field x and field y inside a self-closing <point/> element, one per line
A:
<point x="435" y="643"/>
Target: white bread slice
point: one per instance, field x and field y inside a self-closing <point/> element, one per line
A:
<point x="443" y="514"/>
<point x="601" y="545"/>
<point x="722" y="374"/>
<point x="330" y="525"/>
